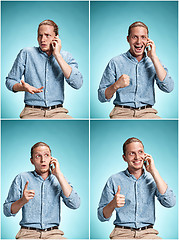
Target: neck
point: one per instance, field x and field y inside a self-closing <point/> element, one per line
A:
<point x="136" y="173"/>
<point x="43" y="175"/>
<point x="139" y="58"/>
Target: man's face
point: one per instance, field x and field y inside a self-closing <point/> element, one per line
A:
<point x="134" y="156"/>
<point x="45" y="36"/>
<point x="41" y="159"/>
<point x="137" y="40"/>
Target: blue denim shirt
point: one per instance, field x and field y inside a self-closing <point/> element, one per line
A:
<point x="39" y="70"/>
<point x="139" y="208"/>
<point x="43" y="211"/>
<point x="142" y="75"/>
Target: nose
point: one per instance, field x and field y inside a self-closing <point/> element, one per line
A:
<point x="137" y="156"/>
<point x="42" y="159"/>
<point x="43" y="38"/>
<point x="138" y="40"/>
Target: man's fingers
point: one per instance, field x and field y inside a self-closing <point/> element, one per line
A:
<point x="26" y="185"/>
<point x="118" y="189"/>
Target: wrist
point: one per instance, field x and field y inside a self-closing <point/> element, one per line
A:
<point x="154" y="58"/>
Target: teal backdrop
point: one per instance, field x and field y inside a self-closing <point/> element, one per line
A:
<point x="160" y="139"/>
<point x="109" y="22"/>
<point x="69" y="142"/>
<point x="19" y="24"/>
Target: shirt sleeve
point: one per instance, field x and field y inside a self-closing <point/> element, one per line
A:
<point x="15" y="75"/>
<point x="167" y="85"/>
<point x="106" y="197"/>
<point x="76" y="79"/>
<point x="168" y="199"/>
<point x="108" y="78"/>
<point x="13" y="195"/>
<point x="73" y="201"/>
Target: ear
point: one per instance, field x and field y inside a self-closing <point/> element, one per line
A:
<point x="124" y="158"/>
<point x="31" y="159"/>
<point x="128" y="38"/>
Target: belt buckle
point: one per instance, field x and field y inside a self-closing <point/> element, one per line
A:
<point x="49" y="108"/>
<point x="139" y="229"/>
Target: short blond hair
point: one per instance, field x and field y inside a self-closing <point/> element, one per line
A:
<point x="38" y="144"/>
<point x="130" y="140"/>
<point x="137" y="24"/>
<point x="51" y="23"/>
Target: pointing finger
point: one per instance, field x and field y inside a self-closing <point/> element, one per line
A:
<point x="26" y="185"/>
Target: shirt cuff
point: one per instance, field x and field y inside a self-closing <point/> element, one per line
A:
<point x="7" y="210"/>
<point x="101" y="95"/>
<point x="75" y="80"/>
<point x="101" y="216"/>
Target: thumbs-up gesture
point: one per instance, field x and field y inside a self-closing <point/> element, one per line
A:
<point x="27" y="194"/>
<point x="119" y="198"/>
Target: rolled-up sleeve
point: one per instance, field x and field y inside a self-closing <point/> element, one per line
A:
<point x="73" y="201"/>
<point x="108" y="78"/>
<point x="15" y="75"/>
<point x="13" y="195"/>
<point x="76" y="79"/>
<point x="167" y="85"/>
<point x="106" y="197"/>
<point x="168" y="199"/>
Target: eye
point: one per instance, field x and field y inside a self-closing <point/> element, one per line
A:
<point x="131" y="153"/>
<point x="143" y="37"/>
<point x="37" y="156"/>
<point x="46" y="155"/>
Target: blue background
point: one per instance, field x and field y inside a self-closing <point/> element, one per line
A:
<point x="160" y="139"/>
<point x="19" y="24"/>
<point x="109" y="26"/>
<point x="69" y="142"/>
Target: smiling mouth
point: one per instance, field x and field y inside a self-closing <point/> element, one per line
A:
<point x="138" y="48"/>
<point x="137" y="161"/>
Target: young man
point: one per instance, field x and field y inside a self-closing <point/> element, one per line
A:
<point x="44" y="69"/>
<point x="132" y="75"/>
<point x="131" y="193"/>
<point x="38" y="193"/>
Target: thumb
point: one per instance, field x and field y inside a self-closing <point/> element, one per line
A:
<point x="26" y="185"/>
<point x="118" y="189"/>
<point x="22" y="81"/>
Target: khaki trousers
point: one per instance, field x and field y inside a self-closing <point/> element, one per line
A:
<point x="127" y="113"/>
<point x="119" y="233"/>
<point x="37" y="113"/>
<point x="37" y="234"/>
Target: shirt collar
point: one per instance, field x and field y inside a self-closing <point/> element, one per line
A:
<point x="130" y="175"/>
<point x="132" y="58"/>
<point x="38" y="176"/>
<point x="44" y="53"/>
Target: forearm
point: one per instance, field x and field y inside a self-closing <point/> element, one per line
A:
<point x="64" y="66"/>
<point x="161" y="185"/>
<point x="18" y="87"/>
<point x="16" y="206"/>
<point x="108" y="209"/>
<point x="109" y="92"/>
<point x="160" y="71"/>
<point x="66" y="188"/>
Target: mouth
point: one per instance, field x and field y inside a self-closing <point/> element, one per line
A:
<point x="138" y="48"/>
<point x="43" y="45"/>
<point x="137" y="162"/>
<point x="43" y="166"/>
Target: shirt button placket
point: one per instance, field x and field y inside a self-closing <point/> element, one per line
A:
<point x="42" y="206"/>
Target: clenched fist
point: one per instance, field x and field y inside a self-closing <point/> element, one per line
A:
<point x="123" y="81"/>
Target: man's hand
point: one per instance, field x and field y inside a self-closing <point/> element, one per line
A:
<point x="56" y="46"/>
<point x="122" y="82"/>
<point x="55" y="169"/>
<point x="28" y="88"/>
<point x="27" y="194"/>
<point x="151" y="49"/>
<point x="119" y="199"/>
<point x="149" y="163"/>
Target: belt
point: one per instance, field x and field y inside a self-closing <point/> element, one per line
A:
<point x="42" y="230"/>
<point x="143" y="107"/>
<point x="44" y="108"/>
<point x="137" y="229"/>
